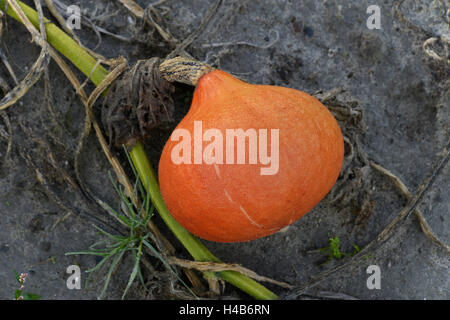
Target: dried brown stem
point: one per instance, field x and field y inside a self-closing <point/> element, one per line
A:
<point x="133" y="7"/>
<point x="216" y="267"/>
<point x="38" y="67"/>
<point x="184" y="70"/>
<point x="6" y="135"/>
<point x="404" y="190"/>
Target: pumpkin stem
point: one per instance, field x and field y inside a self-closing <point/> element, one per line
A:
<point x="184" y="70"/>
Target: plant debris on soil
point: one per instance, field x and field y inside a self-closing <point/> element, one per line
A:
<point x="55" y="173"/>
<point x="138" y="102"/>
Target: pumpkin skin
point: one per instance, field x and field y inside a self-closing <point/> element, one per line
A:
<point x="234" y="202"/>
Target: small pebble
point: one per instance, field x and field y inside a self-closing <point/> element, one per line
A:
<point x="308" y="31"/>
<point x="4" y="248"/>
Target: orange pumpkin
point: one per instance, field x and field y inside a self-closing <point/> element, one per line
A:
<point x="222" y="201"/>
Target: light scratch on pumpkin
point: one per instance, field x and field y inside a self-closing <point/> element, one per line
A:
<point x="216" y="167"/>
<point x="250" y="219"/>
<point x="228" y="195"/>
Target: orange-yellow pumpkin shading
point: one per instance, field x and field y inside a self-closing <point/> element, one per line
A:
<point x="234" y="202"/>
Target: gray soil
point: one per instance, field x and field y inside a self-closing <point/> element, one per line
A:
<point x="308" y="45"/>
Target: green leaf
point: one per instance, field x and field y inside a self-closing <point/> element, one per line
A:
<point x="119" y="216"/>
<point x="94" y="253"/>
<point x="96" y="244"/>
<point x="31" y="296"/>
<point x="335" y="247"/>
<point x="17" y="275"/>
<point x="133" y="274"/>
<point x="103" y="261"/>
<point x="109" y="235"/>
<point x="114" y="263"/>
<point x="141" y="279"/>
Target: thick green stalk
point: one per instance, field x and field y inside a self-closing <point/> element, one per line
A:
<point x="85" y="63"/>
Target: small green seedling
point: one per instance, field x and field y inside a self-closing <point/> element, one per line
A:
<point x="333" y="251"/>
<point x="137" y="239"/>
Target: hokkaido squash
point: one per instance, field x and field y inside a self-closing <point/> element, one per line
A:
<point x="218" y="173"/>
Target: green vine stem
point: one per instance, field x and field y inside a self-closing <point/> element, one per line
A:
<point x="86" y="63"/>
